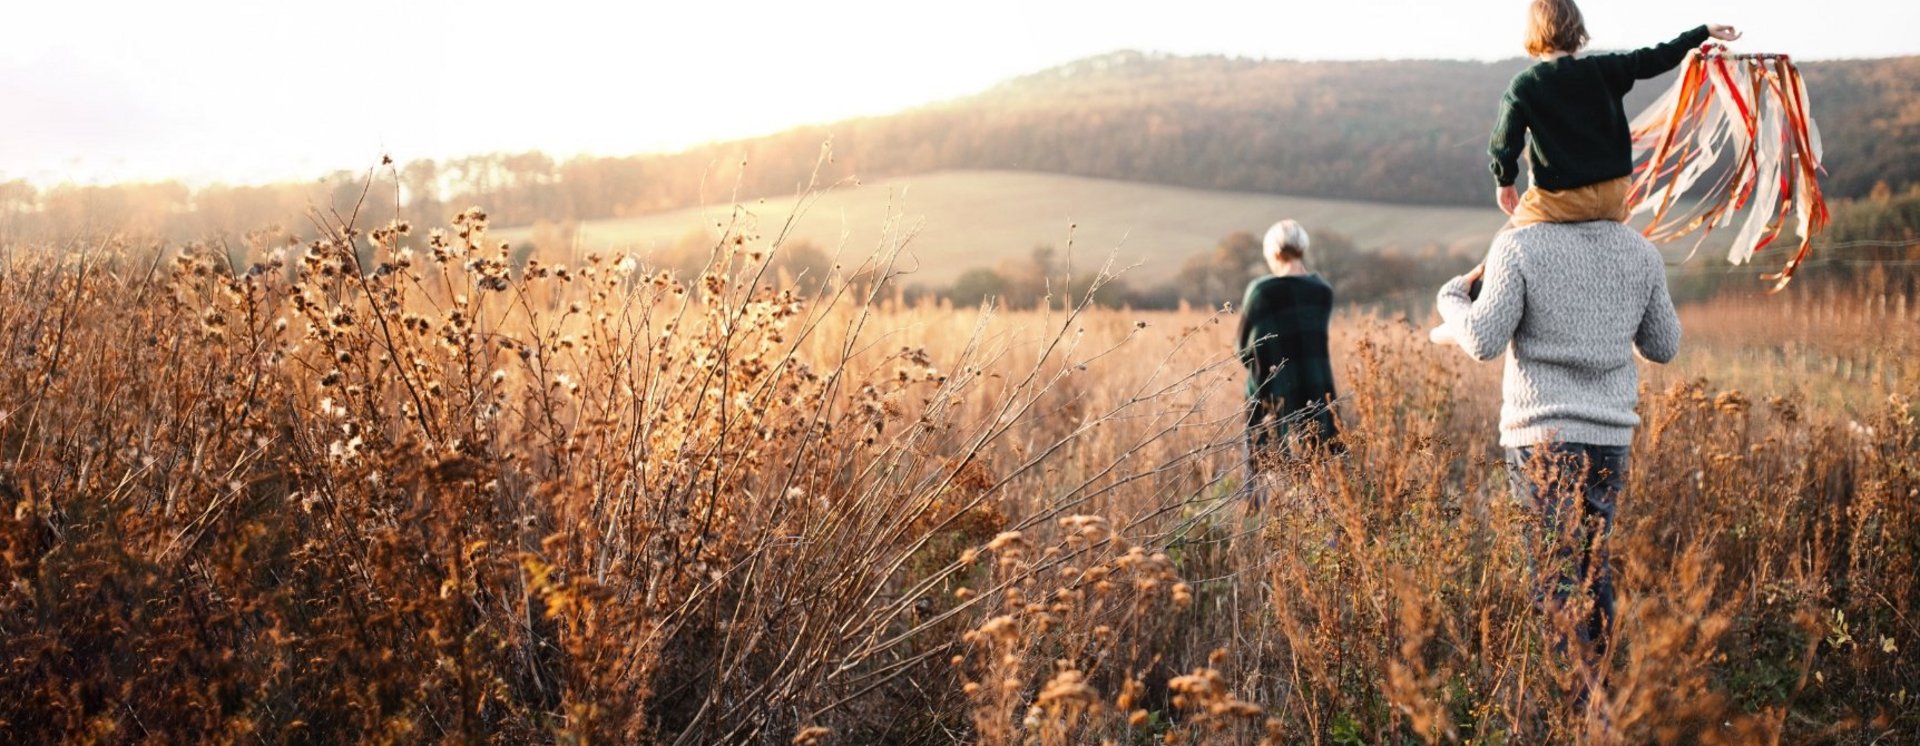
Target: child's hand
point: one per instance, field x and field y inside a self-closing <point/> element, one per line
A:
<point x="1723" y="33"/>
<point x="1508" y="198"/>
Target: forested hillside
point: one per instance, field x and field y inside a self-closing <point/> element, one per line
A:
<point x="1402" y="131"/>
<point x="1410" y="132"/>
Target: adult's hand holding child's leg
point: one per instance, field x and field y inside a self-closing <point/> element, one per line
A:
<point x="1444" y="333"/>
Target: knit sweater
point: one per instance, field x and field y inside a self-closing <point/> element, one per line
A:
<point x="1570" y="107"/>
<point x="1569" y="303"/>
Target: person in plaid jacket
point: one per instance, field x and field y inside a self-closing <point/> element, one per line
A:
<point x="1283" y="343"/>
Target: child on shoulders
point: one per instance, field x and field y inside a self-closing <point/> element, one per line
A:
<point x="1566" y="111"/>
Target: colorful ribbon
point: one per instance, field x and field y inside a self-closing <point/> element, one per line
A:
<point x="1753" y="106"/>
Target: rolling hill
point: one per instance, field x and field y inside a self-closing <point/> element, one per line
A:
<point x="1406" y="132"/>
<point x="1389" y="152"/>
<point x="958" y="220"/>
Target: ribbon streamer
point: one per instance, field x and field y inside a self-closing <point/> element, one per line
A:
<point x="1752" y="107"/>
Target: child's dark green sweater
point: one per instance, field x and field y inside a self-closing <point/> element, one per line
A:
<point x="1571" y="108"/>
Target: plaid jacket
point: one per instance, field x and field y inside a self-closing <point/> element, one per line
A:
<point x="1283" y="343"/>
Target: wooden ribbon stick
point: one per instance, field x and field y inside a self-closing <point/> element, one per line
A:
<point x="1753" y="106"/>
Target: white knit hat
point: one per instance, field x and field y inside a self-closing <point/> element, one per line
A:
<point x="1282" y="234"/>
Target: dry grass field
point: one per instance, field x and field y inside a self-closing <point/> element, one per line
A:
<point x="406" y="494"/>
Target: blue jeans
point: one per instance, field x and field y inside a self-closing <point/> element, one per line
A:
<point x="1570" y="491"/>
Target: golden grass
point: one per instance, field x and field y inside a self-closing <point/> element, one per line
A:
<point x="405" y="494"/>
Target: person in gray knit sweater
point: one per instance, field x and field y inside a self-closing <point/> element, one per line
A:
<point x="1569" y="304"/>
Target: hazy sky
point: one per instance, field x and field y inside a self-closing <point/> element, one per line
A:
<point x="253" y="90"/>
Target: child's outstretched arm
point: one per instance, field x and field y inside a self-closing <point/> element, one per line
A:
<point x="1641" y="64"/>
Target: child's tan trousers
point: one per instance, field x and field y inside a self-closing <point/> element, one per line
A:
<point x="1606" y="200"/>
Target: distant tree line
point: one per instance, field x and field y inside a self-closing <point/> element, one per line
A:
<point x="1391" y="279"/>
<point x="1872" y="244"/>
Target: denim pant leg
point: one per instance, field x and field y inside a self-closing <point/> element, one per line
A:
<point x="1551" y="480"/>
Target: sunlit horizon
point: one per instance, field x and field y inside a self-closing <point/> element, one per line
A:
<point x="240" y="93"/>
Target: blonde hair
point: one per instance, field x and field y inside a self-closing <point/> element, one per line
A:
<point x="1555" y="26"/>
<point x="1285" y="240"/>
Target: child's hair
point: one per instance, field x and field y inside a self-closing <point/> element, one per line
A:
<point x="1555" y="26"/>
<point x="1285" y="240"/>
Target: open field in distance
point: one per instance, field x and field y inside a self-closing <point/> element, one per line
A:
<point x="960" y="220"/>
